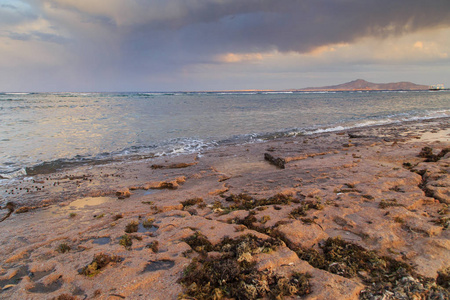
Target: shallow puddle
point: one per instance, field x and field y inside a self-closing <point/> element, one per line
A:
<point x="44" y="289"/>
<point x="88" y="201"/>
<point x="102" y="241"/>
<point x="141" y="193"/>
<point x="77" y="205"/>
<point x="159" y="265"/>
<point x="142" y="228"/>
<point x="9" y="283"/>
<point x="36" y="276"/>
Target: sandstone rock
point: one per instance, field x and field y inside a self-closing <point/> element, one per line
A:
<point x="282" y="256"/>
<point x="440" y="193"/>
<point x="303" y="235"/>
<point x="329" y="286"/>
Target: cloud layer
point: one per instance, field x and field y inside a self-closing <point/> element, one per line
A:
<point x="143" y="40"/>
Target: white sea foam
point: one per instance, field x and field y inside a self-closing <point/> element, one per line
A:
<point x="17" y="93"/>
<point x="275" y="92"/>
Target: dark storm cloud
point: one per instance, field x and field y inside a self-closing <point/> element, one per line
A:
<point x="197" y="32"/>
<point x="214" y="26"/>
<point x="287" y="25"/>
<point x="136" y="39"/>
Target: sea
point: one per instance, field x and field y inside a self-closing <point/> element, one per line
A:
<point x="41" y="133"/>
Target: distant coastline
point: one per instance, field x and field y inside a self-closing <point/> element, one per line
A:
<point x="362" y="85"/>
<point x="355" y="85"/>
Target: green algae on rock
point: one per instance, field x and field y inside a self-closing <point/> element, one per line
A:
<point x="99" y="262"/>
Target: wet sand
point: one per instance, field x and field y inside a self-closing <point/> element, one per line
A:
<point x="367" y="189"/>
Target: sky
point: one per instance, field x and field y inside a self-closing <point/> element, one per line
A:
<point x="195" y="45"/>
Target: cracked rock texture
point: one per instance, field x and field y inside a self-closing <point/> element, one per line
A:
<point x="374" y="191"/>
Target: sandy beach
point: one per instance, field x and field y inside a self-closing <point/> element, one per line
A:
<point x="355" y="214"/>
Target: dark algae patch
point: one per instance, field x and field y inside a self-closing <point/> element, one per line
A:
<point x="131" y="227"/>
<point x="427" y="152"/>
<point x="246" y="202"/>
<point x="389" y="203"/>
<point x="63" y="248"/>
<point x="443" y="278"/>
<point x="442" y="221"/>
<point x="99" y="262"/>
<point x="383" y="276"/>
<point x="154" y="246"/>
<point x="233" y="274"/>
<point x="126" y="240"/>
<point x="199" y="243"/>
<point x="147" y="226"/>
<point x="192" y="202"/>
<point x="304" y="207"/>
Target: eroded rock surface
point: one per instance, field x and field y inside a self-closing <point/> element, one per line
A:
<point x="369" y="189"/>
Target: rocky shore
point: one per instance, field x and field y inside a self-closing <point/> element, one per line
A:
<point x="356" y="214"/>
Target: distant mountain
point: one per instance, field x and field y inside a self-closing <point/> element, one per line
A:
<point x="362" y="85"/>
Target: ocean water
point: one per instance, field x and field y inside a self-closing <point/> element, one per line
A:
<point x="45" y="132"/>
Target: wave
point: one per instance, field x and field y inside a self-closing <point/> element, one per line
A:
<point x="317" y="129"/>
<point x="277" y="92"/>
<point x="17" y="93"/>
<point x="189" y="145"/>
<point x="236" y="93"/>
<point x="171" y="147"/>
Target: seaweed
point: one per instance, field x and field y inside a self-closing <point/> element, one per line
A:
<point x="154" y="246"/>
<point x="234" y="274"/>
<point x="246" y="202"/>
<point x="248" y="220"/>
<point x="427" y="152"/>
<point x="199" y="243"/>
<point x="399" y="220"/>
<point x="397" y="189"/>
<point x="264" y="219"/>
<point x="407" y="165"/>
<point x="117" y="217"/>
<point x="444" y="210"/>
<point x="389" y="203"/>
<point x="443" y="278"/>
<point x="99" y="262"/>
<point x="192" y="202"/>
<point x="63" y="248"/>
<point x="126" y="241"/>
<point x="304" y="207"/>
<point x="368" y="197"/>
<point x="148" y="223"/>
<point x="442" y="221"/>
<point x="131" y="227"/>
<point x="381" y="274"/>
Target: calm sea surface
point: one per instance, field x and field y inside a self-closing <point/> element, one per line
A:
<point x="40" y="133"/>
